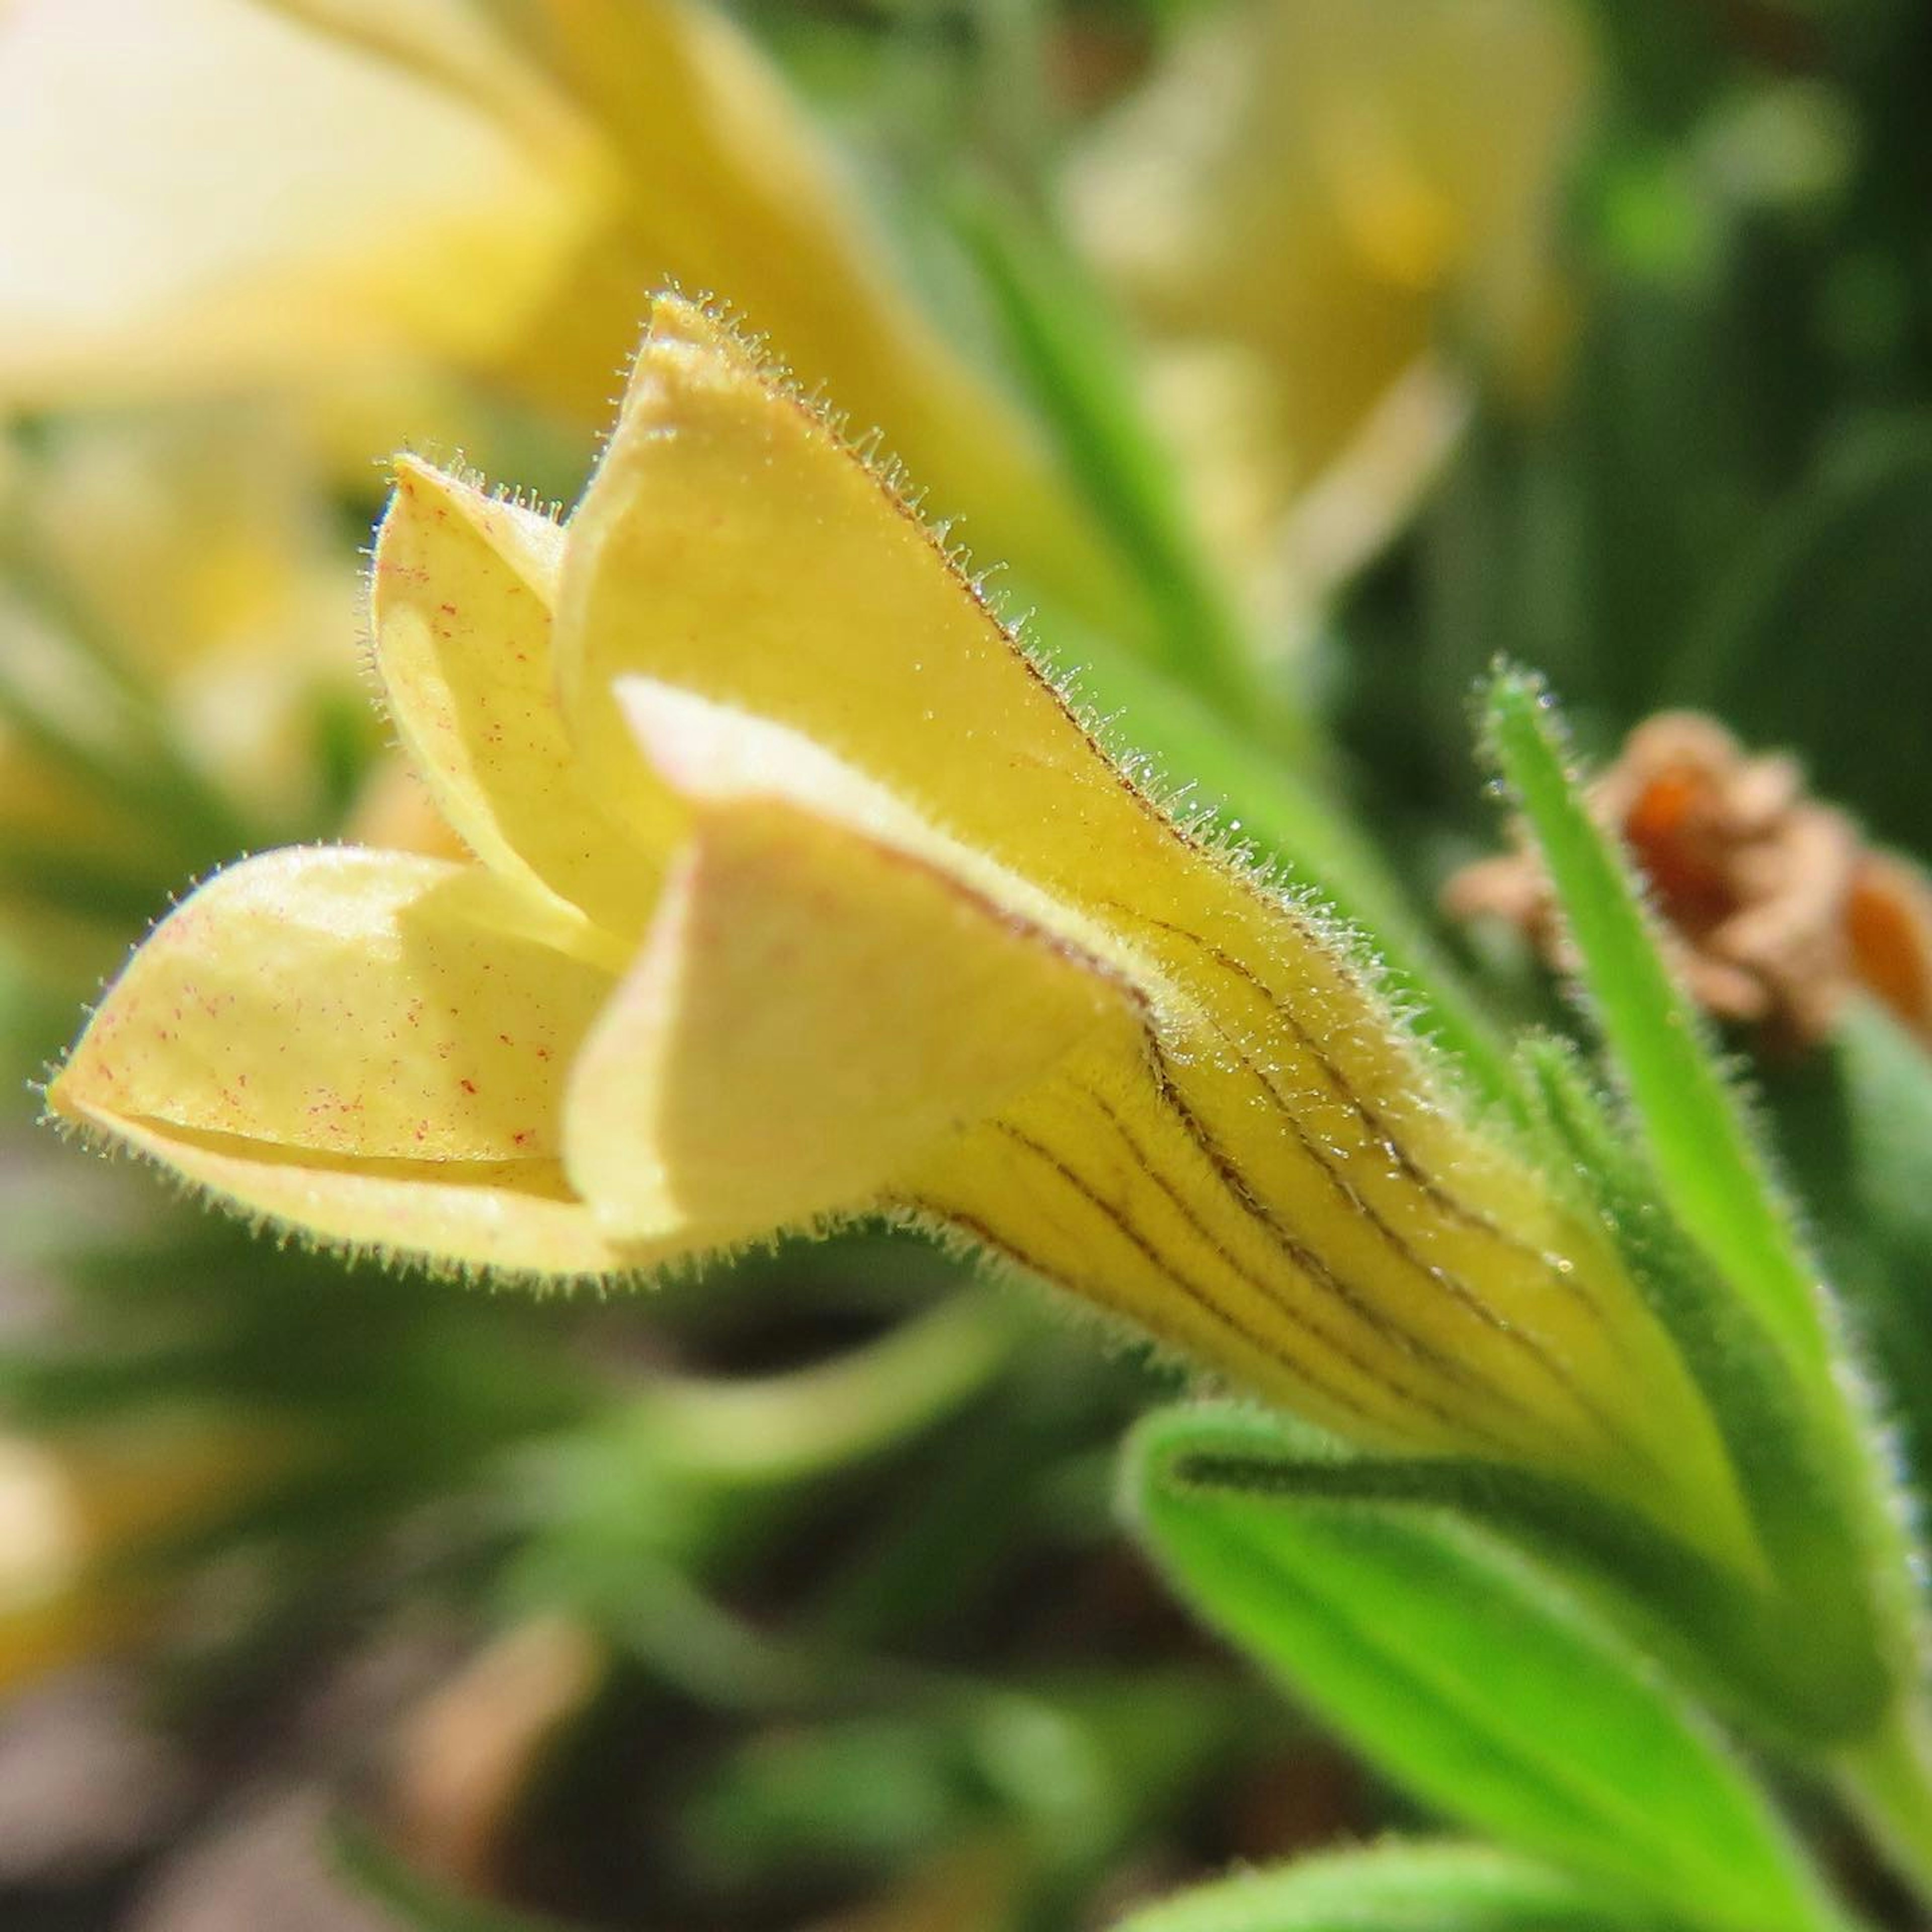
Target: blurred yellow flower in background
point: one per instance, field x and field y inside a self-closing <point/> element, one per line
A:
<point x="803" y="895"/>
<point x="91" y="1518"/>
<point x="215" y="193"/>
<point x="1323" y="214"/>
<point x="219" y="194"/>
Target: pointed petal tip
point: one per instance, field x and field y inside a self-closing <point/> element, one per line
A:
<point x="695" y="322"/>
<point x="61" y="1105"/>
<point x="690" y="342"/>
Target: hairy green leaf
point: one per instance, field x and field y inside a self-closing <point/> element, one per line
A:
<point x="1470" y="1675"/>
<point x="1709" y="1164"/>
<point x="1395" y="1888"/>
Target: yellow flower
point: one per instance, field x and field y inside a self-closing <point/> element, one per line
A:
<point x="803" y="894"/>
<point x="1308" y="205"/>
<point x="215" y="192"/>
<point x="219" y="193"/>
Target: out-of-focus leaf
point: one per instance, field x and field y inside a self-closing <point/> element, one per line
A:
<point x="1395" y="1888"/>
<point x="1473" y="1677"/>
<point x="777" y="1429"/>
<point x="1832" y="599"/>
<point x="1065" y="339"/>
<point x="1072" y="1767"/>
<point x="1855" y="1123"/>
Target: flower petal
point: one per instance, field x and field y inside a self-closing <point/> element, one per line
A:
<point x="357" y="1006"/>
<point x="210" y="191"/>
<point x="518" y="1217"/>
<point x="732" y="544"/>
<point x="464" y="585"/>
<point x="827" y="989"/>
<point x="1302" y="201"/>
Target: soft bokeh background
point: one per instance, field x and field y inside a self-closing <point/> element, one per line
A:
<point x="1294" y="357"/>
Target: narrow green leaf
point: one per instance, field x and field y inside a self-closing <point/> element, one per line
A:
<point x="1843" y="1526"/>
<point x="1709" y="1164"/>
<point x="1472" y="1676"/>
<point x="1066" y="342"/>
<point x="1823" y="1642"/>
<point x="1395" y="1888"/>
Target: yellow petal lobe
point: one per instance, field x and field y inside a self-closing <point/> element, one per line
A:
<point x="731" y="544"/>
<point x="341" y="1002"/>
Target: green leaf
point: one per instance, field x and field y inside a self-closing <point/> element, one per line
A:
<point x="1843" y="1526"/>
<point x="1708" y="1163"/>
<point x="1855" y="1124"/>
<point x="1394" y="1888"/>
<point x="1066" y="340"/>
<point x="1830" y="599"/>
<point x="1470" y="1675"/>
<point x="1817" y="1651"/>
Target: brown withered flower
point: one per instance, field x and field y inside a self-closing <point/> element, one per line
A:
<point x="1774" y="907"/>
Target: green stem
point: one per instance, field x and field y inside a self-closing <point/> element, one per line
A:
<point x="783" y="1429"/>
<point x="1886" y="1784"/>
